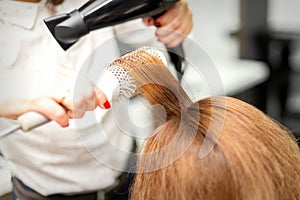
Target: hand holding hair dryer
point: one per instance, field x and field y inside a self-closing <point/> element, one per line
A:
<point x="68" y="28"/>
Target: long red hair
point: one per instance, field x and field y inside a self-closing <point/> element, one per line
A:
<point x="216" y="148"/>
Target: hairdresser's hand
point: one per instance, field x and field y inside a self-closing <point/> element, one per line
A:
<point x="58" y="94"/>
<point x="174" y="25"/>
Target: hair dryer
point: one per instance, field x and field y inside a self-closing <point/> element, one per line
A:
<point x="68" y="28"/>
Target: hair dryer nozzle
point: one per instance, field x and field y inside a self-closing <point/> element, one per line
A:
<point x="67" y="29"/>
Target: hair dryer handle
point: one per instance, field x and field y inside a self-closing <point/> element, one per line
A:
<point x="177" y="58"/>
<point x="176" y="54"/>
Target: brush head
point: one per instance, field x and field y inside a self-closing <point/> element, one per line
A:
<point x="155" y="52"/>
<point x="117" y="84"/>
<point x="116" y="81"/>
<point x="140" y="57"/>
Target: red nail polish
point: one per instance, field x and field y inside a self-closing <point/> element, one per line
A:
<point x="158" y="24"/>
<point x="106" y="104"/>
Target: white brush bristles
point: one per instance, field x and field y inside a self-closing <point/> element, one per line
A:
<point x="116" y="82"/>
<point x="155" y="52"/>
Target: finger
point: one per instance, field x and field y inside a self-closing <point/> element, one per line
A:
<point x="182" y="25"/>
<point x="102" y="100"/>
<point x="170" y="37"/>
<point x="169" y="32"/>
<point x="176" y="38"/>
<point x="177" y="41"/>
<point x="186" y="24"/>
<point x="51" y="109"/>
<point x="76" y="106"/>
<point x="173" y="35"/>
<point x="164" y="32"/>
<point x="85" y="98"/>
<point x="166" y="18"/>
<point x="76" y="113"/>
<point x="178" y="18"/>
<point x="82" y="96"/>
<point x="78" y="103"/>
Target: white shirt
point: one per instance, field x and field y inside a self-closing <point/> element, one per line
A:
<point x="86" y="156"/>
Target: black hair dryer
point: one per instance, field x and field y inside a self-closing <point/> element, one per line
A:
<point x="68" y="28"/>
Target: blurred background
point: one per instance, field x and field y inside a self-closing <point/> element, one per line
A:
<point x="255" y="42"/>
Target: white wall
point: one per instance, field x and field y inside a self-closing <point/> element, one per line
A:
<point x="213" y="22"/>
<point x="284" y="15"/>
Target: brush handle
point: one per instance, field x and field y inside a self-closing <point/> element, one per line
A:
<point x="31" y="120"/>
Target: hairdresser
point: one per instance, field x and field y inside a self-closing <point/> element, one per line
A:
<point x="51" y="161"/>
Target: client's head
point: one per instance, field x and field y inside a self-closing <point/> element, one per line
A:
<point x="251" y="156"/>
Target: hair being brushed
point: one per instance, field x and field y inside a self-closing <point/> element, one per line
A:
<point x="254" y="157"/>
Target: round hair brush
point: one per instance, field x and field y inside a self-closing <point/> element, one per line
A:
<point x="117" y="80"/>
<point x="144" y="71"/>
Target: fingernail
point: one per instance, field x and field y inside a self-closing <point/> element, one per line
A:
<point x="158" y="24"/>
<point x="106" y="104"/>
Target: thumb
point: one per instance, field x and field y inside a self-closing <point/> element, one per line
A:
<point x="102" y="100"/>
